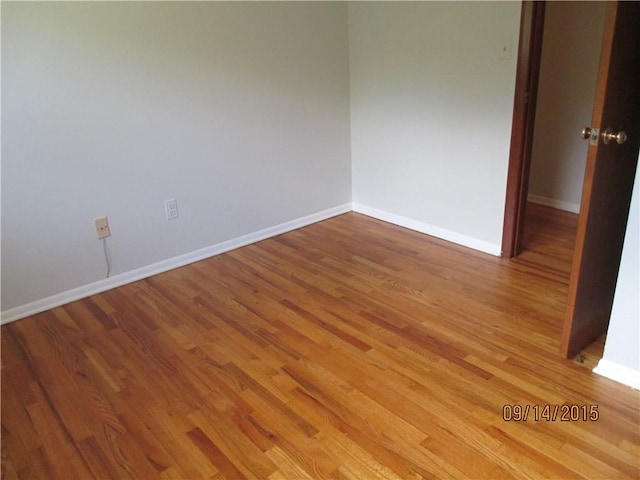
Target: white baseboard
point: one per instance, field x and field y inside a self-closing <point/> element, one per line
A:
<point x="619" y="373"/>
<point x="124" y="278"/>
<point x="432" y="230"/>
<point x="552" y="202"/>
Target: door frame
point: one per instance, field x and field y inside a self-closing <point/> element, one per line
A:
<point x="524" y="113"/>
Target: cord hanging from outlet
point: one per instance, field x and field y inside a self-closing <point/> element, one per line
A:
<point x="106" y="256"/>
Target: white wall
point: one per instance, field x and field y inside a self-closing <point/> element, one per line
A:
<point x="568" y="75"/>
<point x="240" y="111"/>
<point x="431" y="110"/>
<point x="621" y="358"/>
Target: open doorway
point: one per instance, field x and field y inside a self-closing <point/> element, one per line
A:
<point x="566" y="90"/>
<point x="614" y="143"/>
<point x="574" y="38"/>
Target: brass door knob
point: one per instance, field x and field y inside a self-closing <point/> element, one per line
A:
<point x="591" y="134"/>
<point x="619" y="137"/>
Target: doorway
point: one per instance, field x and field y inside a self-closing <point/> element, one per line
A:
<point x="569" y="60"/>
<point x="610" y="166"/>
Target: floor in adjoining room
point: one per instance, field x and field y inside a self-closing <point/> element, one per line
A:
<point x="549" y="239"/>
<point x="351" y="348"/>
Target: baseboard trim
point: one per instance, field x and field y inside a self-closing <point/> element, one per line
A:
<point x="432" y="230"/>
<point x="552" y="202"/>
<point x="84" y="291"/>
<point x="618" y="373"/>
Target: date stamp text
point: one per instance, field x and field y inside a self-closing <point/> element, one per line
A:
<point x="550" y="413"/>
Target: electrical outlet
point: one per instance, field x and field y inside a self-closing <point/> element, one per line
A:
<point x="102" y="227"/>
<point x="171" y="209"/>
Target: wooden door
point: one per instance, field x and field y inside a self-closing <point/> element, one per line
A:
<point x="608" y="181"/>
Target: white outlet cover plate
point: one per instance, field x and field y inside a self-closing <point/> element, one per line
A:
<point x="171" y="209"/>
<point x="102" y="227"/>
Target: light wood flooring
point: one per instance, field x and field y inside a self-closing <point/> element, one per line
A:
<point x="349" y="349"/>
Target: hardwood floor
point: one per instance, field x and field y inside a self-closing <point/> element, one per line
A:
<point x="549" y="237"/>
<point x="349" y="349"/>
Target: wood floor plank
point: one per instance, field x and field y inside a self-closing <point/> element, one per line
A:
<point x="347" y="349"/>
